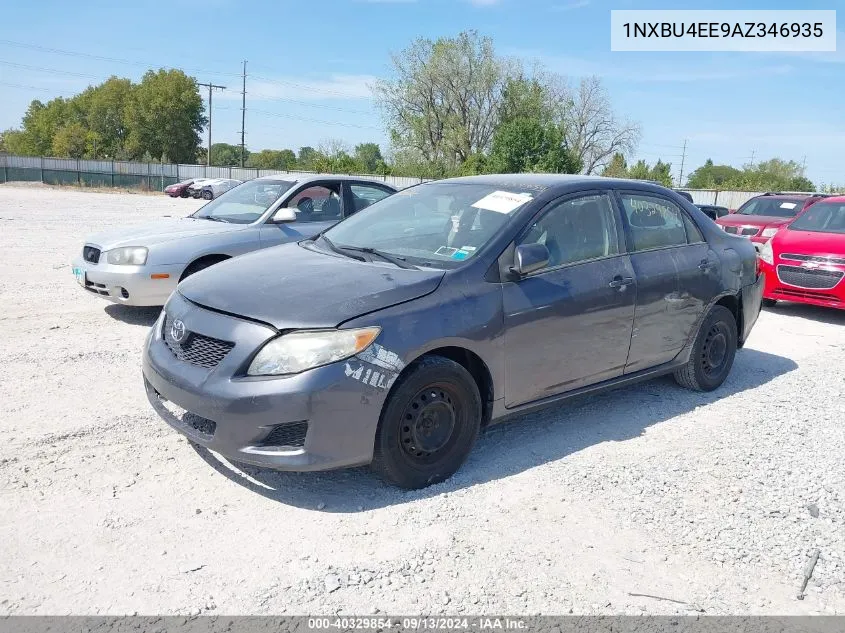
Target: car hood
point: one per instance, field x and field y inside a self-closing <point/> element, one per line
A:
<point x="810" y="243"/>
<point x="735" y="219"/>
<point x="291" y="286"/>
<point x="159" y="231"/>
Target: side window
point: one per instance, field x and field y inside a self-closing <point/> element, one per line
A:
<point x="577" y="230"/>
<point x="694" y="235"/>
<point x="655" y="222"/>
<point x="316" y="204"/>
<point x="365" y="195"/>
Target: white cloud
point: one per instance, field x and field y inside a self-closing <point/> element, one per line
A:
<point x="484" y="3"/>
<point x="334" y="87"/>
<point x="577" y="4"/>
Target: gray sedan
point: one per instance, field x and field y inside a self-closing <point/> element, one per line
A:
<point x="141" y="265"/>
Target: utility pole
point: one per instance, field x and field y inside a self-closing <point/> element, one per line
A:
<point x="803" y="165"/>
<point x="683" y="159"/>
<point x="752" y="159"/>
<point x="243" y="117"/>
<point x="210" y="86"/>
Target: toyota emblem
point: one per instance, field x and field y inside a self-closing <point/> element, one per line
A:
<point x="177" y="331"/>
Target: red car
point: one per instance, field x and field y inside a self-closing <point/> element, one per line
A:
<point x="179" y="189"/>
<point x="805" y="261"/>
<point x="761" y="217"/>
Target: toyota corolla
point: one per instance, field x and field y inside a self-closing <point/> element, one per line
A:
<point x="392" y="338"/>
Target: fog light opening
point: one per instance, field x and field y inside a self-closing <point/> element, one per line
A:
<point x="124" y="293"/>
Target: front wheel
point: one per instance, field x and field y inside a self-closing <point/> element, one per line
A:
<point x="207" y="195"/>
<point x="429" y="424"/>
<point x="713" y="352"/>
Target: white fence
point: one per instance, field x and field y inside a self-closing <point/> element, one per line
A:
<point x="157" y="176"/>
<point x="146" y="175"/>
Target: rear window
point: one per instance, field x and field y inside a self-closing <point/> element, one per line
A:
<point x="773" y="207"/>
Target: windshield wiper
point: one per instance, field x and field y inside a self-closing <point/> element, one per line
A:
<point x="396" y="261"/>
<point x="211" y="218"/>
<point x="341" y="251"/>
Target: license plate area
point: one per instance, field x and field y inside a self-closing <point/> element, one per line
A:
<point x="79" y="274"/>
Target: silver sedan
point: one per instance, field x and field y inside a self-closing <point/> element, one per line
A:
<point x="142" y="265"/>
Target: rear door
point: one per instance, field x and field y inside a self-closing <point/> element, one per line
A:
<point x="677" y="276"/>
<point x="318" y="205"/>
<point x="569" y="324"/>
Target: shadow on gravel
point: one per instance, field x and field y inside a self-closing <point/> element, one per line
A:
<point x="832" y="316"/>
<point x="133" y="315"/>
<point x="520" y="444"/>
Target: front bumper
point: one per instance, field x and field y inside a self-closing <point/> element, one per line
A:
<point x="238" y="416"/>
<point x="778" y="290"/>
<point x="129" y="285"/>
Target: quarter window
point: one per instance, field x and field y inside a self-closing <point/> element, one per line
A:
<point x="577" y="230"/>
<point x="365" y="195"/>
<point x="657" y="223"/>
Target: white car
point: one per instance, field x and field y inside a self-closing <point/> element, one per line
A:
<point x="210" y="188"/>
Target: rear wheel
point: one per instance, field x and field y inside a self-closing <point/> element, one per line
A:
<point x="207" y="195"/>
<point x="770" y="303"/>
<point x="713" y="352"/>
<point x="429" y="424"/>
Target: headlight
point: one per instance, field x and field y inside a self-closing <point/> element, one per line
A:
<point x="769" y="232"/>
<point x="766" y="253"/>
<point x="128" y="256"/>
<point x="298" y="351"/>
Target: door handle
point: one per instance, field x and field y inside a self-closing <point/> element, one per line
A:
<point x="621" y="282"/>
<point x="706" y="265"/>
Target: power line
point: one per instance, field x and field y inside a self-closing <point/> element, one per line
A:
<point x="307" y="119"/>
<point x="116" y="60"/>
<point x="48" y="70"/>
<point x="4" y="83"/>
<point x="292" y="84"/>
<point x="309" y="104"/>
<point x="210" y="87"/>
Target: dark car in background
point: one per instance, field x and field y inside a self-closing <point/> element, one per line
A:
<point x="761" y="217"/>
<point x="395" y="336"/>
<point x="179" y="189"/>
<point x="713" y="211"/>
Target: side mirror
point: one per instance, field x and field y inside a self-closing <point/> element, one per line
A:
<point x="285" y="214"/>
<point x="530" y="257"/>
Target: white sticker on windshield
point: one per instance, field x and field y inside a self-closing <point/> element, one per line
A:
<point x="502" y="201"/>
<point x="788" y="205"/>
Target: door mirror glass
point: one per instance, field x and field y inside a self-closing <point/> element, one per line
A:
<point x="530" y="257"/>
<point x="285" y="214"/>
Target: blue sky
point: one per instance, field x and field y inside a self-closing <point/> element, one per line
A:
<point x="310" y="65"/>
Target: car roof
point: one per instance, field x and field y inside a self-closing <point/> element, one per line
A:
<point x="550" y="182"/>
<point x="312" y="177"/>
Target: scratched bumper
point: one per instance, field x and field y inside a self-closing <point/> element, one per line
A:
<point x="340" y="410"/>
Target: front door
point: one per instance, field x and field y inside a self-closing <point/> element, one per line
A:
<point x="569" y="324"/>
<point x="317" y="206"/>
<point x="677" y="277"/>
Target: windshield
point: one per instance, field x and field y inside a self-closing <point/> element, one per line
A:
<point x="244" y="203"/>
<point x="432" y="224"/>
<point x="772" y="207"/>
<point x="823" y="217"/>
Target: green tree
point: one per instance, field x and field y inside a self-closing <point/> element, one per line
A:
<point x="369" y="158"/>
<point x="710" y="176"/>
<point x="273" y="159"/>
<point x="105" y="111"/>
<point x="443" y="96"/>
<point x="226" y="155"/>
<point x="616" y="168"/>
<point x="70" y="141"/>
<point x="306" y="157"/>
<point x="166" y="116"/>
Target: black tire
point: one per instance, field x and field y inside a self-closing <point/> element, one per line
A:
<point x="428" y="425"/>
<point x="713" y="352"/>
<point x="770" y="303"/>
<point x="201" y="264"/>
<point x="207" y="195"/>
<point x="184" y="194"/>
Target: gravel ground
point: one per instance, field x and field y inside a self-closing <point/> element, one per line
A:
<point x="706" y="503"/>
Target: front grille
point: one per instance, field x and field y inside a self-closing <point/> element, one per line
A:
<point x="791" y="293"/>
<point x="807" y="278"/>
<point x="750" y="230"/>
<point x="96" y="288"/>
<point x="201" y="425"/>
<point x="196" y="349"/>
<point x="813" y="258"/>
<point x="731" y="229"/>
<point x="290" y="434"/>
<point x="91" y="254"/>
